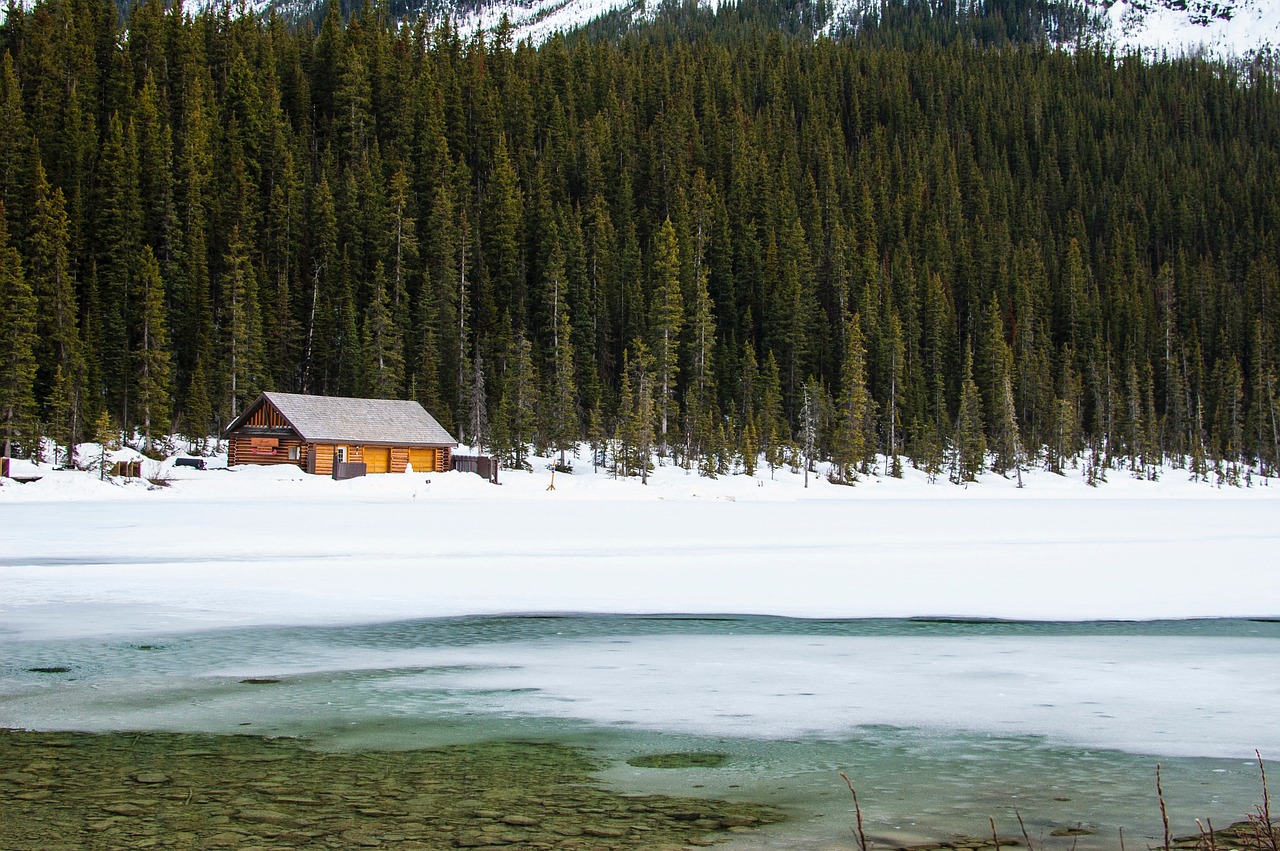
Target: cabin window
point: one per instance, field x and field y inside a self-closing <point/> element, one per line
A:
<point x="295" y="453"/>
<point x="340" y="455"/>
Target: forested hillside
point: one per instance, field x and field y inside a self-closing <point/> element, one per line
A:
<point x="708" y="241"/>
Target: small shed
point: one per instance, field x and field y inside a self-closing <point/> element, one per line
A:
<point x="314" y="432"/>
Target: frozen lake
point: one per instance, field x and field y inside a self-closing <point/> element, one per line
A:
<point x="1138" y="625"/>
<point x="940" y="723"/>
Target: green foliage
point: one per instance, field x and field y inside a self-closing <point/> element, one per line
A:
<point x="402" y="210"/>
<point x="151" y="356"/>
<point x="855" y="416"/>
<point x="668" y="320"/>
<point x="108" y="440"/>
<point x="17" y="349"/>
<point x="971" y="441"/>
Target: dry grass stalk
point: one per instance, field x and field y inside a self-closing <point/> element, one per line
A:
<point x="1164" y="811"/>
<point x="1208" y="842"/>
<point x="1264" y="828"/>
<point x="863" y="845"/>
<point x="1025" y="837"/>
<point x="995" y="839"/>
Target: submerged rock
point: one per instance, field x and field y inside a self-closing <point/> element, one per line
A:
<point x="200" y="791"/>
<point x="696" y="759"/>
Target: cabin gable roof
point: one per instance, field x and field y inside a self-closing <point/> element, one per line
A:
<point x="336" y="419"/>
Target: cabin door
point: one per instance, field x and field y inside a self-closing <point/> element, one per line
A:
<point x="377" y="459"/>
<point x="422" y="460"/>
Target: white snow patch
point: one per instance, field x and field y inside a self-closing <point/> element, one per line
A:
<point x="1220" y="29"/>
<point x="273" y="545"/>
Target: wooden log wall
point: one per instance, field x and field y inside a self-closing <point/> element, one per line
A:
<point x="265" y="450"/>
<point x="317" y="458"/>
<point x="266" y="417"/>
<point x="323" y="465"/>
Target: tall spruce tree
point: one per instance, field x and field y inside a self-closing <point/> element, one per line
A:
<point x="668" y="320"/>
<point x="562" y="422"/>
<point x="153" y="397"/>
<point x="970" y="445"/>
<point x="60" y="352"/>
<point x="382" y="346"/>
<point x="850" y="449"/>
<point x="17" y="349"/>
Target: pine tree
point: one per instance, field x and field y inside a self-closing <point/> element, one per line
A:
<point x="773" y="431"/>
<point x="700" y="405"/>
<point x="502" y="223"/>
<point x="116" y="242"/>
<point x="1264" y="405"/>
<point x="596" y="437"/>
<point x="18" y="156"/>
<point x="158" y="215"/>
<point x="1006" y="440"/>
<point x="810" y="424"/>
<point x="854" y="409"/>
<point x="562" y="426"/>
<point x="59" y="350"/>
<point x="241" y="327"/>
<point x="151" y="355"/>
<point x="637" y="411"/>
<point x="107" y="438"/>
<point x="61" y="397"/>
<point x="750" y="450"/>
<point x="971" y="442"/>
<point x="427" y="381"/>
<point x="520" y="400"/>
<point x="404" y="241"/>
<point x="623" y="447"/>
<point x="477" y="402"/>
<point x="895" y="367"/>
<point x="323" y="284"/>
<point x="191" y="290"/>
<point x="17" y="348"/>
<point x="197" y="409"/>
<point x="382" y="346"/>
<point x="668" y="320"/>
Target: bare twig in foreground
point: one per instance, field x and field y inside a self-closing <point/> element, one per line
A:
<point x="1164" y="812"/>
<point x="1030" y="847"/>
<point x="857" y="811"/>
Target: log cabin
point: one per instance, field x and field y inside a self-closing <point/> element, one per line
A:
<point x="313" y="432"/>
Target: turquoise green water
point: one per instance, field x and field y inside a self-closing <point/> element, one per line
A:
<point x="941" y="724"/>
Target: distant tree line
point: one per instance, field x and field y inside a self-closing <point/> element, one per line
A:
<point x="709" y="248"/>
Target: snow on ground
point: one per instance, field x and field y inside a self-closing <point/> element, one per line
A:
<point x="539" y="20"/>
<point x="263" y="545"/>
<point x="1219" y="29"/>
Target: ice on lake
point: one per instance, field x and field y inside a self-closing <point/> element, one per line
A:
<point x="941" y="720"/>
<point x="362" y="614"/>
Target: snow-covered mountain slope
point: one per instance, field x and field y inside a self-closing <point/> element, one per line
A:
<point x="1221" y="28"/>
<point x="1216" y="27"/>
<point x="1155" y="27"/>
<point x="538" y="20"/>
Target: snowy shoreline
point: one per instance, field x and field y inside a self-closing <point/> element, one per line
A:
<point x="259" y="545"/>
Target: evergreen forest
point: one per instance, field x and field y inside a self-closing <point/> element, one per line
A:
<point x="712" y="240"/>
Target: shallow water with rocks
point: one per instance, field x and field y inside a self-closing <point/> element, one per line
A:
<point x="941" y="724"/>
<point x="167" y="790"/>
